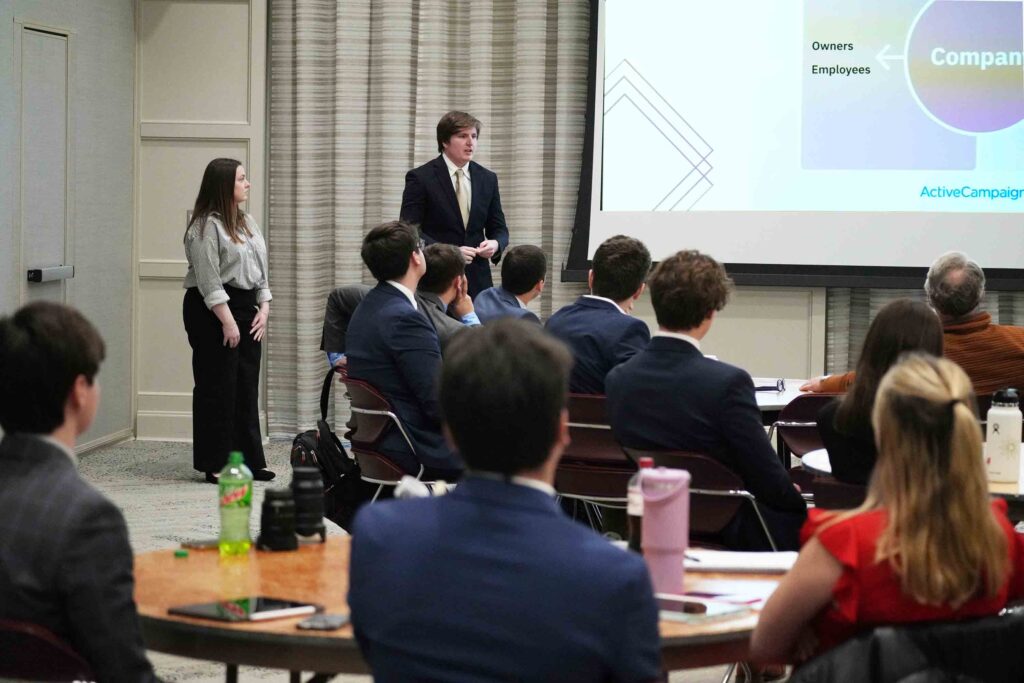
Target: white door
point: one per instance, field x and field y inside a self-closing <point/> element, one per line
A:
<point x="44" y="145"/>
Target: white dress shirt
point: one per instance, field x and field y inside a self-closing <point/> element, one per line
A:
<point x="604" y="298"/>
<point x="678" y="335"/>
<point x="406" y="291"/>
<point x="467" y="185"/>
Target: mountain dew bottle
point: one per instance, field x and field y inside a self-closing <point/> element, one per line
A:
<point x="235" y="486"/>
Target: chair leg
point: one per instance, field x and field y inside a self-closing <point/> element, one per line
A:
<point x="728" y="672"/>
<point x="231" y="673"/>
<point x="376" y="495"/>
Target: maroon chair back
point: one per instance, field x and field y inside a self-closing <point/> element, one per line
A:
<point x="31" y="652"/>
<point x="832" y="494"/>
<point x="709" y="514"/>
<point x="593" y="465"/>
<point x="797" y="422"/>
<point x="370" y="427"/>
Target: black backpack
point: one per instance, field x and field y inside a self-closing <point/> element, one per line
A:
<point x="344" y="490"/>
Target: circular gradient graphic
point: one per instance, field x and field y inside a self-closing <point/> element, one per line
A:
<point x="964" y="63"/>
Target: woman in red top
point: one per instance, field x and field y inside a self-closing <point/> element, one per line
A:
<point x="927" y="545"/>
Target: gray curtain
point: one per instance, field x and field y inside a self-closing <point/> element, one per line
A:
<point x="356" y="89"/>
<point x="849" y="312"/>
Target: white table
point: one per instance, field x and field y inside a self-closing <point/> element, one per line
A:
<point x="776" y="400"/>
<point x="817" y="462"/>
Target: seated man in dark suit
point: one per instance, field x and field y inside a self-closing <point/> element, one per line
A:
<point x="669" y="396"/>
<point x="492" y="582"/>
<point x="392" y="345"/>
<point x="65" y="561"/>
<point x="443" y="285"/>
<point x="341" y="304"/>
<point x="598" y="327"/>
<point x="522" y="281"/>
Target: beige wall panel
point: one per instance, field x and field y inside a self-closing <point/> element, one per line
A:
<point x="770" y="332"/>
<point x="195" y="61"/>
<point x="162" y="340"/>
<point x="170" y="171"/>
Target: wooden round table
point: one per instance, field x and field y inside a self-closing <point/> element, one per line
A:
<point x="319" y="574"/>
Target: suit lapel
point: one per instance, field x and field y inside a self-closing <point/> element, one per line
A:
<point x="475" y="179"/>
<point x="441" y="168"/>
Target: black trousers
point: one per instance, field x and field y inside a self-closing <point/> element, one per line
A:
<point x="225" y="398"/>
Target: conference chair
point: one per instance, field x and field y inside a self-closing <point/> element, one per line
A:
<point x="832" y="494"/>
<point x="593" y="470"/>
<point x="373" y="415"/>
<point x="30" y="652"/>
<point x="978" y="650"/>
<point x="798" y="432"/>
<point x="716" y="494"/>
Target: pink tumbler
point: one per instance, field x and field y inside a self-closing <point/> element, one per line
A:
<point x="666" y="525"/>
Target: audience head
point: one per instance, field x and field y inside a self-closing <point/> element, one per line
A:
<point x="445" y="265"/>
<point x="900" y="326"/>
<point x="451" y="123"/>
<point x="49" y="357"/>
<point x="955" y="285"/>
<point x="619" y="268"/>
<point x="687" y="288"/>
<point x="391" y="249"/>
<point x="503" y="394"/>
<point x="940" y="534"/>
<point x="223" y="188"/>
<point x="523" y="268"/>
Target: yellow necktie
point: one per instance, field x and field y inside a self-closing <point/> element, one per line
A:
<point x="462" y="198"/>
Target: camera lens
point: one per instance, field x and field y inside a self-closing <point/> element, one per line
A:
<point x="277" y="521"/>
<point x="308" y="489"/>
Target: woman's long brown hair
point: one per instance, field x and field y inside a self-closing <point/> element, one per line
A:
<point x="941" y="536"/>
<point x="217" y="198"/>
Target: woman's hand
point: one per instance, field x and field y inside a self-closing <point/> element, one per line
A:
<point x="231" y="334"/>
<point x="259" y="323"/>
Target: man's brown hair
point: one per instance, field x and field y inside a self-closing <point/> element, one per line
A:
<point x="44" y="347"/>
<point x="444" y="264"/>
<point x="686" y="288"/>
<point x="620" y="266"/>
<point x="451" y="123"/>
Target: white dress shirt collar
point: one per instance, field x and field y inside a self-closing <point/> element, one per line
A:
<point x="452" y="168"/>
<point x="678" y="335"/>
<point x="406" y="291"/>
<point x="602" y="298"/>
<point x="528" y="482"/>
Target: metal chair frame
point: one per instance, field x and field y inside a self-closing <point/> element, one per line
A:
<point x="381" y="483"/>
<point x="682" y="456"/>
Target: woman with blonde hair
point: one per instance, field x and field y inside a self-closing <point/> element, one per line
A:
<point x="928" y="544"/>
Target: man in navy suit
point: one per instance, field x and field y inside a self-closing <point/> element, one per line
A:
<point x="598" y="327"/>
<point x="65" y="561"/>
<point x="522" y="281"/>
<point x="669" y="396"/>
<point x="455" y="200"/>
<point x="391" y="344"/>
<point x="492" y="582"/>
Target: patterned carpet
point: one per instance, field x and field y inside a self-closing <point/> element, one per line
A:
<point x="165" y="502"/>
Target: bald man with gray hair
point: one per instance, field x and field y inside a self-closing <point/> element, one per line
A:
<point x="991" y="355"/>
<point x="955" y="286"/>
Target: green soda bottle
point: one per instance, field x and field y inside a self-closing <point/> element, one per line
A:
<point x="235" y="488"/>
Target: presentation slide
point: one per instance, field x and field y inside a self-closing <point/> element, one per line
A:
<point x="818" y="132"/>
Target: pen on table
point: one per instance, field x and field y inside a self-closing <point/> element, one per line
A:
<point x="691" y="558"/>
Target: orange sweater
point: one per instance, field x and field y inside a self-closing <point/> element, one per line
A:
<point x="991" y="355"/>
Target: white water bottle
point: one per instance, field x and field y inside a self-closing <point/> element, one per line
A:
<point x="1002" y="446"/>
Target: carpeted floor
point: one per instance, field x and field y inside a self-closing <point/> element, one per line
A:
<point x="165" y="502"/>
